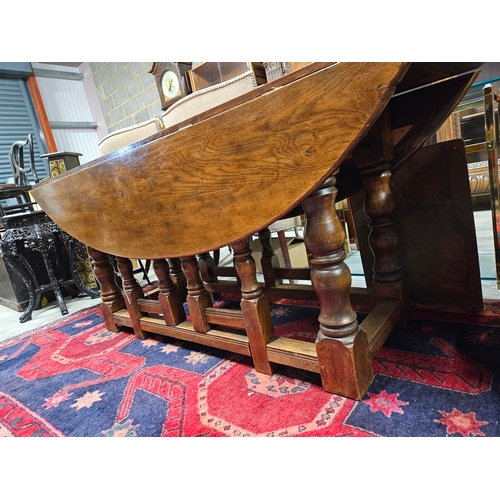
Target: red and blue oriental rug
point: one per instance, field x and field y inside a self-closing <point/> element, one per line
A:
<point x="72" y="377"/>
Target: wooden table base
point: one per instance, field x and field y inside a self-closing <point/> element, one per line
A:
<point x="344" y="349"/>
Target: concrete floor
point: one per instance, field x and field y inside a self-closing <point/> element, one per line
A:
<point x="9" y="319"/>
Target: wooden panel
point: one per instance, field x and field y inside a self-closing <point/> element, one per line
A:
<point x="220" y="339"/>
<point x="149" y="306"/>
<point x="380" y="322"/>
<point x="243" y="155"/>
<point x="291" y="352"/>
<point x="225" y="317"/>
<point x="435" y="224"/>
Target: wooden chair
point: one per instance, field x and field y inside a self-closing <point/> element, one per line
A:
<point x="23" y="201"/>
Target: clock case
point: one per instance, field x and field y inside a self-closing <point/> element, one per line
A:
<point x="180" y="69"/>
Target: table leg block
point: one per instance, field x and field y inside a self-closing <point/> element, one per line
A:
<point x="345" y="365"/>
<point x="259" y="328"/>
<point x="107" y="310"/>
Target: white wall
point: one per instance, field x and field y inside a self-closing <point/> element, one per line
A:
<point x="66" y="102"/>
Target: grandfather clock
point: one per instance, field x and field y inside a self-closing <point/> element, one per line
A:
<point x="172" y="81"/>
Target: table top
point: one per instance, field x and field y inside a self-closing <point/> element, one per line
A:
<point x="229" y="172"/>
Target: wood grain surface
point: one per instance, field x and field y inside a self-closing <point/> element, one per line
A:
<point x="217" y="181"/>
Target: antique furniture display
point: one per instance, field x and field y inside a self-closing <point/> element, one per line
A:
<point x="317" y="135"/>
<point x="172" y="81"/>
<point x="35" y="232"/>
<point x="60" y="162"/>
<point x="28" y="233"/>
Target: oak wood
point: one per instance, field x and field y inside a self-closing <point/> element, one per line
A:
<point x="220" y="339"/>
<point x="342" y="347"/>
<point x="292" y="352"/>
<point x="198" y="299"/>
<point x="207" y="265"/>
<point x="224" y="271"/>
<point x="345" y="364"/>
<point x="239" y="165"/>
<point x="380" y="322"/>
<point x="435" y="225"/>
<point x="324" y="238"/>
<point x="111" y="295"/>
<point x="359" y="296"/>
<point x="374" y="161"/>
<point x="254" y="306"/>
<point x="169" y="295"/>
<point x="293" y="273"/>
<point x="150" y="306"/>
<point x="132" y="291"/>
<point x="269" y="260"/>
<point x="417" y="112"/>
<point x="243" y="154"/>
<point x="178" y="276"/>
<point x="225" y="317"/>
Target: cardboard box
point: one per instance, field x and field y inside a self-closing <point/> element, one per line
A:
<point x="296" y="249"/>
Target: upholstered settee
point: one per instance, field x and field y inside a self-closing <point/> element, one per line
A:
<point x="187" y="107"/>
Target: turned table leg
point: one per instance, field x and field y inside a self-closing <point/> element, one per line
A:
<point x="132" y="291"/>
<point x="341" y="345"/>
<point x="170" y="296"/>
<point x="373" y="158"/>
<point x="254" y="306"/>
<point x="111" y="295"/>
<point x="178" y="276"/>
<point x="206" y="264"/>
<point x="198" y="299"/>
<point x="269" y="260"/>
<point x="383" y="241"/>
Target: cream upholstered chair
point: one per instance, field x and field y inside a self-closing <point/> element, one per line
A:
<point x="187" y="107"/>
<point x="207" y="98"/>
<point x="129" y="135"/>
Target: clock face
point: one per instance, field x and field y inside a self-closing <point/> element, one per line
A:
<point x="170" y="85"/>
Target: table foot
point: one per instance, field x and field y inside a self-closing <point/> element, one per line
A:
<point x="345" y="365"/>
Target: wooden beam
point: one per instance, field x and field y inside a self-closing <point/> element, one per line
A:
<point x="41" y="113"/>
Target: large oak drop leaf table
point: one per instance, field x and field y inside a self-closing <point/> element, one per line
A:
<point x="298" y="143"/>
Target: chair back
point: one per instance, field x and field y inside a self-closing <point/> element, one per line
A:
<point x="20" y="202"/>
<point x="16" y="159"/>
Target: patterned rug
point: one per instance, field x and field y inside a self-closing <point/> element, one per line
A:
<point x="72" y="377"/>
